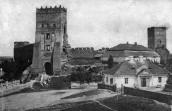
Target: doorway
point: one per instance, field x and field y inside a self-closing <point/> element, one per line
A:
<point x="48" y="68"/>
<point x="143" y="82"/>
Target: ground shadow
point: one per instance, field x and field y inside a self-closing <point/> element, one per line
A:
<point x="25" y="90"/>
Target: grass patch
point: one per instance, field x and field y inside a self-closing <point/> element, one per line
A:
<point x="132" y="103"/>
<point x="117" y="103"/>
<point x="60" y="107"/>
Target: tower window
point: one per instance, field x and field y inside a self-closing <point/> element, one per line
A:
<point x="54" y="25"/>
<point x="48" y="47"/>
<point x="47" y="36"/>
<point x="42" y="25"/>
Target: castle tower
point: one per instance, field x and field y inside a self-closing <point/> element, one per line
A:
<point x="51" y="28"/>
<point x="157" y="42"/>
<point x="156" y="37"/>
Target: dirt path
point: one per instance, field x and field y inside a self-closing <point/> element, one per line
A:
<point x="31" y="100"/>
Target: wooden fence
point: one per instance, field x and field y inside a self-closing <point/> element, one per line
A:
<point x="103" y="86"/>
<point x="9" y="88"/>
<point x="8" y="85"/>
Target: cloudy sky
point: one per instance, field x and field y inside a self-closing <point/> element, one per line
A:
<point x="96" y="23"/>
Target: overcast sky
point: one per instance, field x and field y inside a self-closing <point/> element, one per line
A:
<point x="96" y="23"/>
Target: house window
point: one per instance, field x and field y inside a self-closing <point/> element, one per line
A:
<point x="106" y="79"/>
<point x="47" y="36"/>
<point x="159" y="79"/>
<point x="111" y="80"/>
<point x="126" y="80"/>
<point x="48" y="47"/>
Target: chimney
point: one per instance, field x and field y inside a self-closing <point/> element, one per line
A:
<point x="135" y="43"/>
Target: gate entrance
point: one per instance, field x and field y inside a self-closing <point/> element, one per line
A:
<point x="48" y="68"/>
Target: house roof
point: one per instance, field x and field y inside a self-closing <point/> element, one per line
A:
<point x="126" y="50"/>
<point x="127" y="53"/>
<point x="155" y="69"/>
<point x="127" y="46"/>
<point x="131" y="68"/>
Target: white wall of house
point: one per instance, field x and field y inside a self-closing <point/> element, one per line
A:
<point x="107" y="79"/>
<point x="155" y="82"/>
<point x="139" y="58"/>
<point x="133" y="81"/>
<point x="119" y="81"/>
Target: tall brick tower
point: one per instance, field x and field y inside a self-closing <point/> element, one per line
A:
<point x="156" y="37"/>
<point x="50" y="37"/>
<point x="157" y="42"/>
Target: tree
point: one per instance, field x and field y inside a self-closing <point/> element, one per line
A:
<point x="88" y="77"/>
<point x="9" y="67"/>
<point x="110" y="61"/>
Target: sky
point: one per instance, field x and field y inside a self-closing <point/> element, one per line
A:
<point x="91" y="23"/>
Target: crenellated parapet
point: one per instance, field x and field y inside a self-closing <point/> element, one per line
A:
<point x="50" y="9"/>
<point x="83" y="49"/>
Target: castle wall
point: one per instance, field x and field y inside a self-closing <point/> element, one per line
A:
<point x="36" y="62"/>
<point x="56" y="61"/>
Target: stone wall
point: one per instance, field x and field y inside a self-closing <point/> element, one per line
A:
<point x="56" y="59"/>
<point x="36" y="61"/>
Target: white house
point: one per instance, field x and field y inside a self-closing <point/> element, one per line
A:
<point x="136" y="74"/>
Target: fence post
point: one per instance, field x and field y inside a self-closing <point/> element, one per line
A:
<point x="122" y="89"/>
<point x="171" y="105"/>
<point x="6" y="84"/>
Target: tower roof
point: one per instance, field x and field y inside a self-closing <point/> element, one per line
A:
<point x="158" y="27"/>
